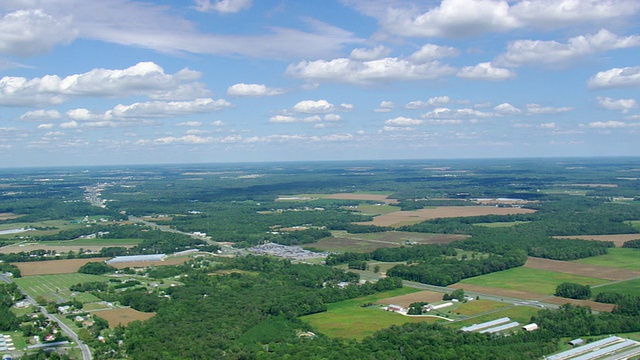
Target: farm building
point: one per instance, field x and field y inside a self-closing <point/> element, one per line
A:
<point x="576" y="342"/>
<point x="136" y="258"/>
<point x="395" y="308"/>
<point x="499" y="328"/>
<point x="530" y="327"/>
<point x="485" y="325"/>
<point x="430" y="307"/>
<point x="611" y="348"/>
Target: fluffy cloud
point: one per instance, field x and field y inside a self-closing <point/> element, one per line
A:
<point x="385" y="106"/>
<point x="485" y="71"/>
<point x="146" y="78"/>
<point x="256" y="90"/>
<point x="434" y="101"/>
<point x="538" y="109"/>
<point x="159" y="109"/>
<point x="430" y="52"/>
<point x="313" y="107"/>
<point x="611" y="124"/>
<point x="507" y="109"/>
<point x="465" y="18"/>
<point x="403" y="121"/>
<point x="362" y="54"/>
<point x="536" y="52"/>
<point x="365" y="72"/>
<point x="32" y="32"/>
<point x="620" y="104"/>
<point x="222" y="6"/>
<point x="279" y="119"/>
<point x="616" y="78"/>
<point x="446" y="113"/>
<point x="39" y="115"/>
<point x="190" y="124"/>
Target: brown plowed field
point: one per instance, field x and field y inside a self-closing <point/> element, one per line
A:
<point x="406" y="300"/>
<point x="411" y="217"/>
<point x="123" y="316"/>
<point x="52" y="267"/>
<point x="592" y="304"/>
<point x="616" y="239"/>
<point x="566" y="267"/>
<point x="12" y="249"/>
<point x="499" y="292"/>
<point x="8" y="215"/>
<point x="373" y="197"/>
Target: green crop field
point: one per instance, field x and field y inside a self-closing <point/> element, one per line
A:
<point x="349" y="319"/>
<point x="629" y="287"/>
<point x="54" y="286"/>
<point x="530" y="280"/>
<point x="377" y="209"/>
<point x="623" y="258"/>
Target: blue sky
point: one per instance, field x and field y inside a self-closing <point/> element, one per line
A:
<point x="94" y="82"/>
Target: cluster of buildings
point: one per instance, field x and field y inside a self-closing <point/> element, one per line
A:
<point x="284" y="251"/>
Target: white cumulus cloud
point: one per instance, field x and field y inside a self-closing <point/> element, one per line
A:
<point x="507" y="109"/>
<point x="255" y="90"/>
<point x="313" y="107"/>
<point x="32" y="32"/>
<point x="363" y="54"/>
<point x="537" y="52"/>
<point x="485" y="71"/>
<point x="222" y="6"/>
<point x="539" y="109"/>
<point x="617" y="104"/>
<point x="616" y="78"/>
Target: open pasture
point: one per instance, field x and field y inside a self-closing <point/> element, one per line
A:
<point x="618" y="239"/>
<point x="53" y="285"/>
<point x="52" y="267"/>
<point x="61" y="247"/>
<point x="371" y="209"/>
<point x="384" y="198"/>
<point x="400" y="218"/>
<point x="527" y="280"/>
<point x="621" y="258"/>
<point x="140" y="264"/>
<point x="123" y="316"/>
<point x="582" y="269"/>
<point x="474" y="307"/>
<point x="348" y="319"/>
<point x="629" y="287"/>
<point x="343" y="241"/>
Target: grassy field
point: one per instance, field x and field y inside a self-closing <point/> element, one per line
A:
<point x="629" y="287"/>
<point x="623" y="258"/>
<point x="349" y="319"/>
<point x="635" y="224"/>
<point x="54" y="286"/>
<point x="530" y="280"/>
<point x="479" y="306"/>
<point x="341" y="241"/>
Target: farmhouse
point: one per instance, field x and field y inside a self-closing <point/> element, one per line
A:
<point x="136" y="258"/>
<point x="396" y="308"/>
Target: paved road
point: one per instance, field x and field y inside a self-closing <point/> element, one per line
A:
<point x="86" y="352"/>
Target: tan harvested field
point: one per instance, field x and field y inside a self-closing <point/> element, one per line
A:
<point x="406" y="300"/>
<point x="499" y="292"/>
<point x="400" y="218"/>
<point x="618" y="239"/>
<point x="139" y="264"/>
<point x="581" y="269"/>
<point x="12" y="249"/>
<point x="592" y="304"/>
<point x="372" y="197"/>
<point x="123" y="316"/>
<point x="52" y="267"/>
<point x="8" y="216"/>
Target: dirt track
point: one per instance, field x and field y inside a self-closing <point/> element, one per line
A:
<point x="595" y="271"/>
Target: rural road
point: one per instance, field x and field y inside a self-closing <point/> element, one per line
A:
<point x="86" y="352"/>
